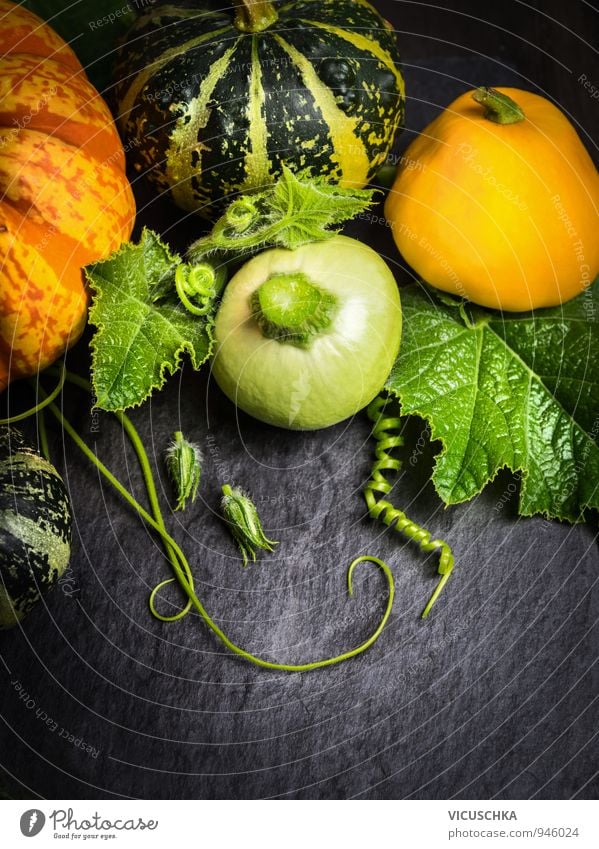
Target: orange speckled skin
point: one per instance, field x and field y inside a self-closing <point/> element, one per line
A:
<point x="66" y="200"/>
<point x="506" y="215"/>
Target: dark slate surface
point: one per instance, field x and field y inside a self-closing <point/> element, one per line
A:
<point x="494" y="696"/>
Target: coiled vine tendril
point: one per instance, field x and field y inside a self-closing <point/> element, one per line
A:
<point x="241" y="214"/>
<point x="244" y="226"/>
<point x="178" y="560"/>
<point x="196" y="286"/>
<point x="386" y="432"/>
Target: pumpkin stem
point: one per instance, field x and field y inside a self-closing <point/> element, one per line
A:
<point x="498" y="106"/>
<point x="254" y="15"/>
<point x="289" y="308"/>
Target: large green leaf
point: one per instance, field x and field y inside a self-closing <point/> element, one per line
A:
<point x="143" y="330"/>
<point x="506" y="391"/>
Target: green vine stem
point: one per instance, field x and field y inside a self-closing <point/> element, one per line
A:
<point x="150" y="485"/>
<point x="43" y="435"/>
<point x="386" y="432"/>
<point x="290" y="212"/>
<point x="244" y="226"/>
<point x="19" y="417"/>
<point x="178" y="559"/>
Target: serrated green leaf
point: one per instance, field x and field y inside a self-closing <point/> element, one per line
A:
<point x="506" y="391"/>
<point x="310" y="208"/>
<point x="142" y="328"/>
<point x="288" y="214"/>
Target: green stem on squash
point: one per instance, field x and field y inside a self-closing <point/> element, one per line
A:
<point x="498" y="107"/>
<point x="254" y="15"/>
<point x="180" y="563"/>
<point x="289" y="307"/>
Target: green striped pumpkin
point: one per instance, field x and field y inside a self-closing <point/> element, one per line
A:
<point x="35" y="527"/>
<point x="213" y="101"/>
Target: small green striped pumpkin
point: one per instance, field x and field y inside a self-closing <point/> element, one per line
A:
<point x="35" y="527"/>
<point x="212" y="101"/>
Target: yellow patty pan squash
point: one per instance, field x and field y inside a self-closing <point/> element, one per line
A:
<point x="498" y="201"/>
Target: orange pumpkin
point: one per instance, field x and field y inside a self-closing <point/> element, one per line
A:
<point x="66" y="200"/>
<point x="498" y="202"/>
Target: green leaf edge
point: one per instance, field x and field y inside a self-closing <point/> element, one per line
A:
<point x="165" y="370"/>
<point x="435" y="438"/>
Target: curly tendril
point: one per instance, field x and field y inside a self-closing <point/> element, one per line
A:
<point x="242" y="214"/>
<point x="197" y="282"/>
<point x="386" y="432"/>
<point x="243" y="228"/>
<point x="179" y="563"/>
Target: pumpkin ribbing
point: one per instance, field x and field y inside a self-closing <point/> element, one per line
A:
<point x="35" y="527"/>
<point x="66" y="200"/>
<point x="209" y="110"/>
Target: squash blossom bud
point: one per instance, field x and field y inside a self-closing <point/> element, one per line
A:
<point x="183" y="462"/>
<point x="243" y="520"/>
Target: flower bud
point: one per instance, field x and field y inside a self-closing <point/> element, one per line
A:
<point x="183" y="459"/>
<point x="243" y="520"/>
